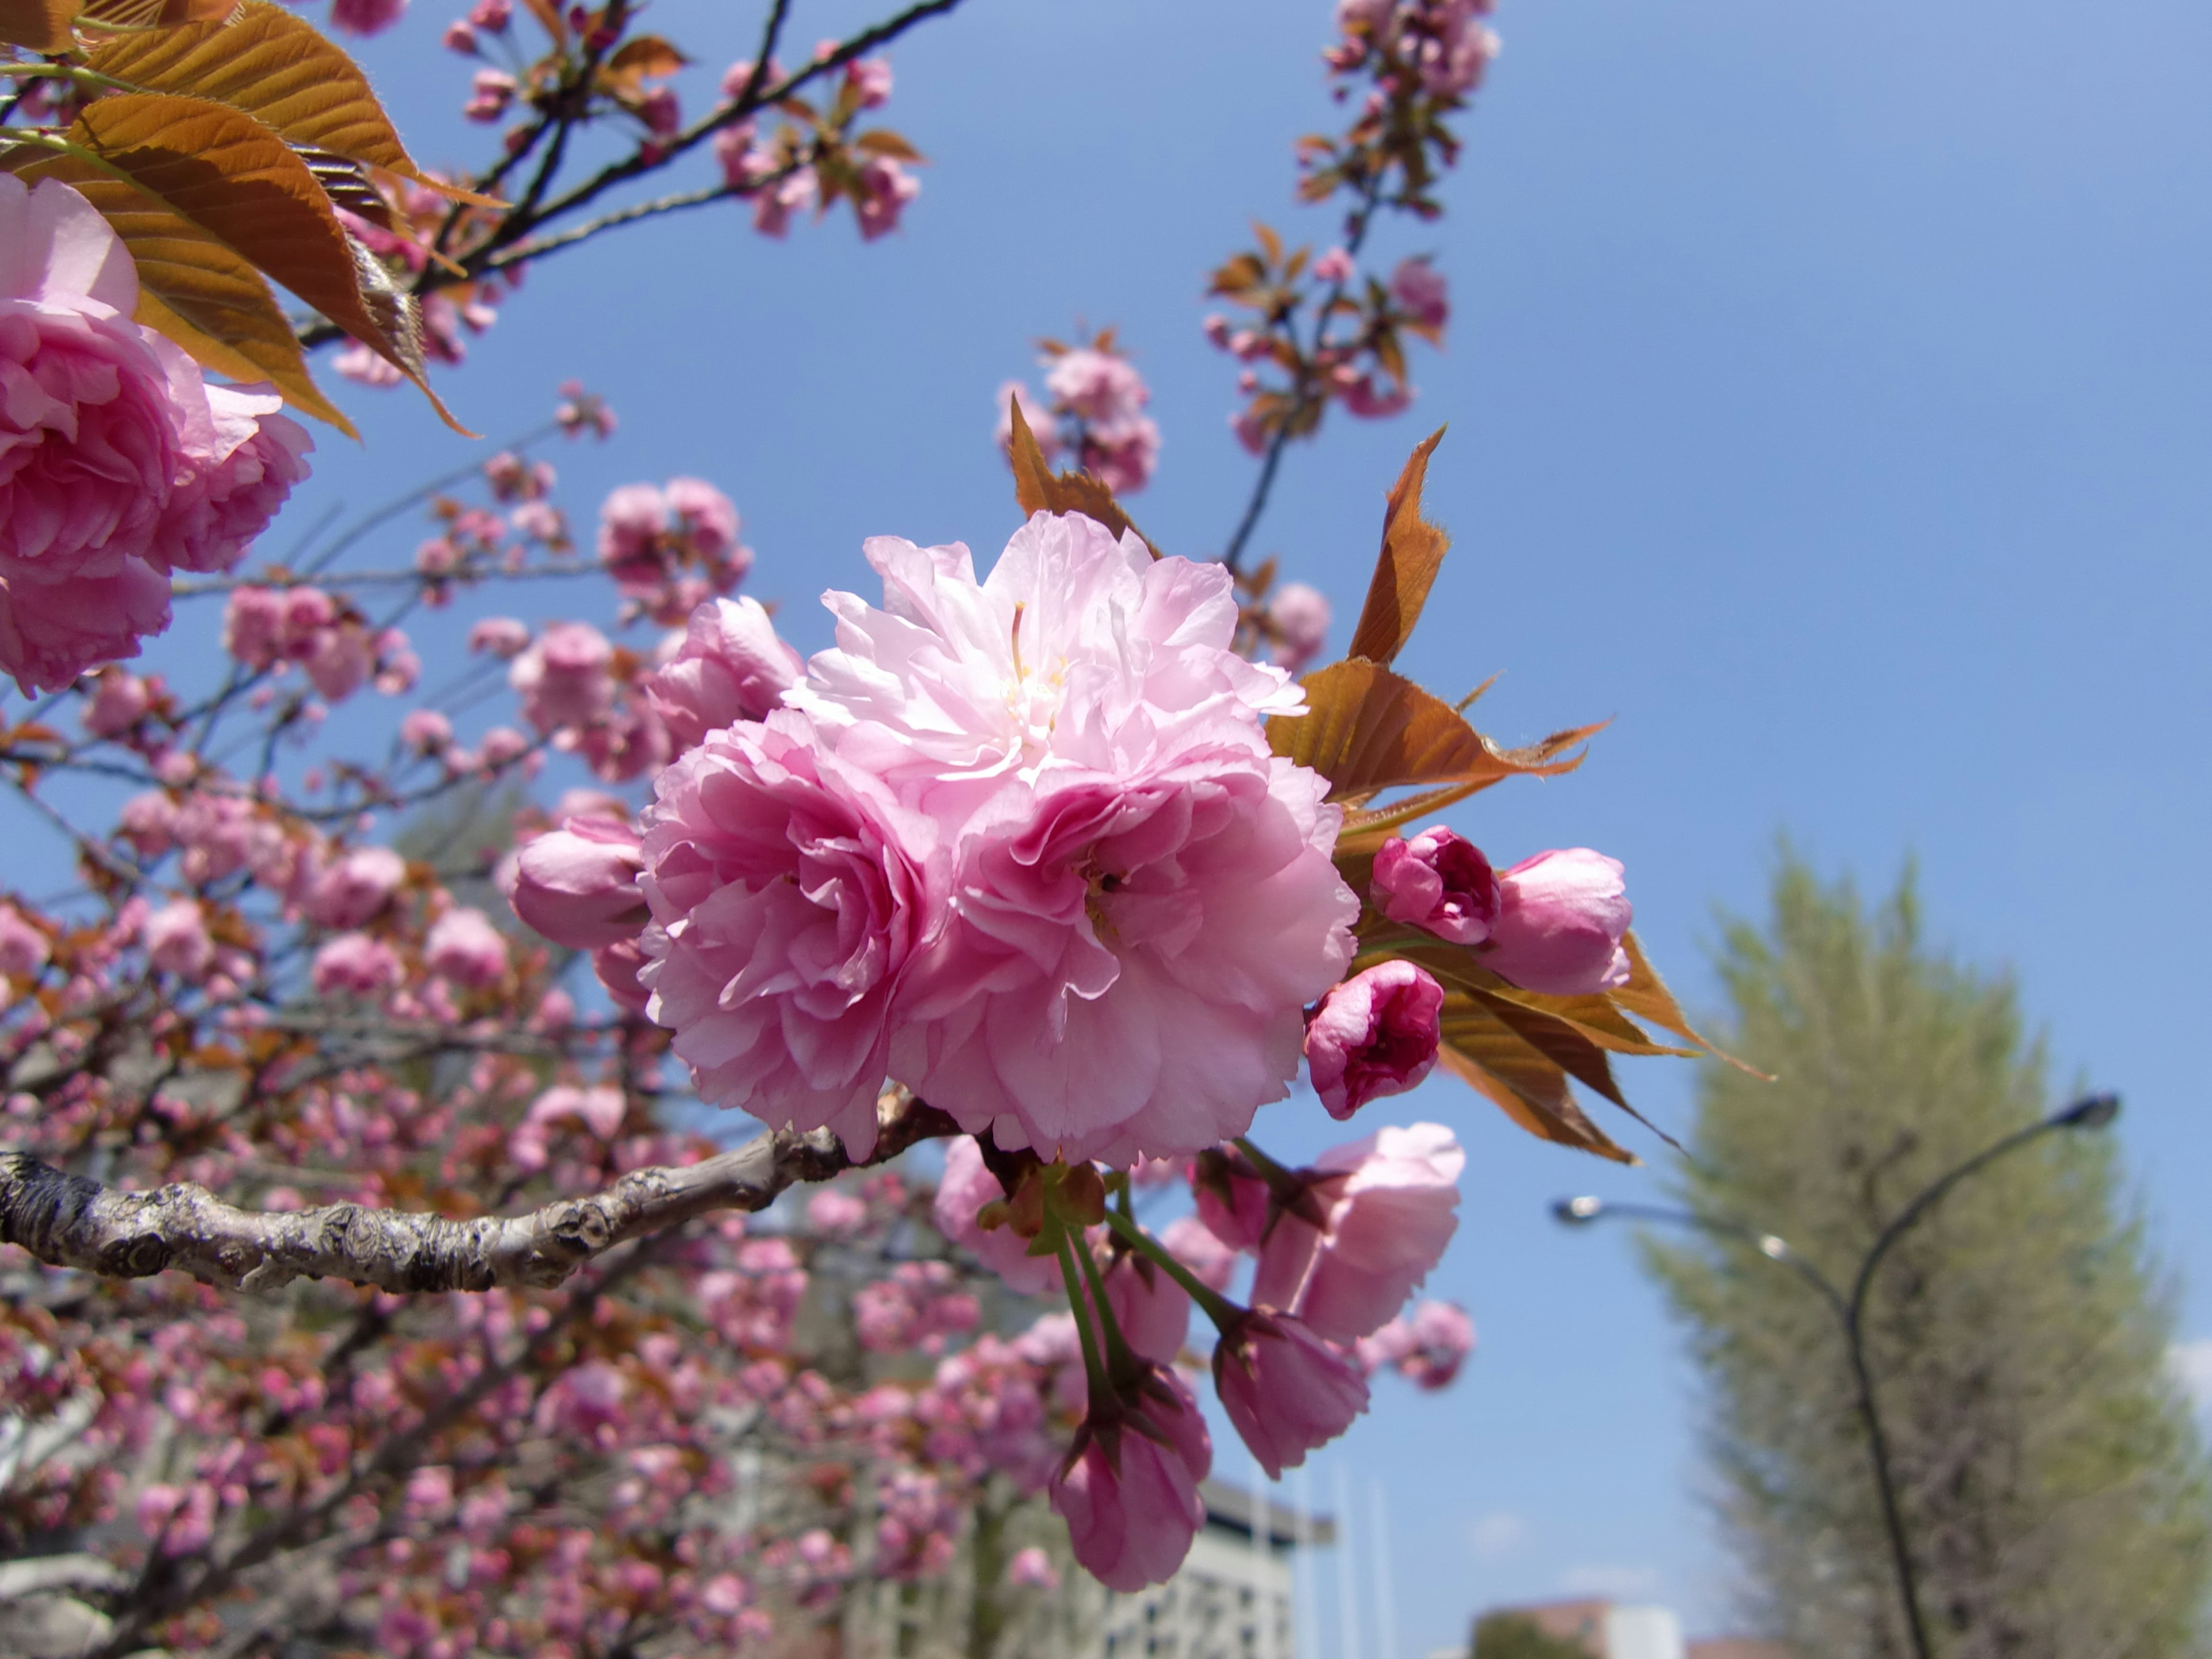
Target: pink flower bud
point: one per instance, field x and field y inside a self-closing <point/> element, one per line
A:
<point x="730" y="667"/>
<point x="616" y="968"/>
<point x="1232" y="1198"/>
<point x="463" y="946"/>
<point x="1386" y="1205"/>
<point x="1131" y="1515"/>
<point x="1032" y="1569"/>
<point x="577" y="885"/>
<point x="1374" y="1035"/>
<point x="600" y="1109"/>
<point x="1285" y="1390"/>
<point x="1439" y="881"/>
<point x="1561" y="917"/>
<point x="870" y="78"/>
<point x="119" y="701"/>
<point x="1333" y="266"/>
<point x="366" y="16"/>
<point x="1152" y="1310"/>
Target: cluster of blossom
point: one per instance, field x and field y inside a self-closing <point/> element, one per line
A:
<point x="119" y="464"/>
<point x="1021" y="844"/>
<point x="1093" y="411"/>
<point x="808" y="159"/>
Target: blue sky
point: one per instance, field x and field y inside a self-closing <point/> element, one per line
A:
<point x="1827" y="394"/>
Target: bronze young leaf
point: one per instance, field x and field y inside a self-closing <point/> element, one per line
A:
<point x="37" y="25"/>
<point x="1413" y="551"/>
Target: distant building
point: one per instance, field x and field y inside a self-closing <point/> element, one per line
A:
<point x="1609" y="1630"/>
<point x="1232" y="1599"/>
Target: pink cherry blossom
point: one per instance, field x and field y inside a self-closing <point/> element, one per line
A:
<point x="1421" y="292"/>
<point x="1286" y="1391"/>
<point x="51" y="631"/>
<point x="968" y="1185"/>
<point x="563" y="677"/>
<point x="1032" y="1569"/>
<point x="1374" y="1035"/>
<point x="788" y="898"/>
<point x="1142" y="899"/>
<point x="356" y="964"/>
<point x="490" y="91"/>
<point x="504" y="637"/>
<point x="356" y="887"/>
<point x="1429" y="1347"/>
<point x="241" y="458"/>
<point x="1387" y="1205"/>
<point x="885" y="188"/>
<point x="707" y="518"/>
<point x="177" y="940"/>
<point x="366" y="16"/>
<point x="1561" y="918"/>
<point x="870" y="78"/>
<point x="836" y="1213"/>
<point x="577" y="884"/>
<point x="1132" y="1512"/>
<point x="1334" y="266"/>
<point x="119" y="700"/>
<point x="1298" y="617"/>
<point x="599" y="1110"/>
<point x="731" y="666"/>
<point x="1123" y="453"/>
<point x="23" y="948"/>
<point x="1096" y="386"/>
<point x="463" y="946"/>
<point x="1437" y="881"/>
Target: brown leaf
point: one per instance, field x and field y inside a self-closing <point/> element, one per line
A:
<point x="1413" y="549"/>
<point x="37" y="25"/>
<point x="1647" y="995"/>
<point x="223" y="171"/>
<point x="1592" y="1018"/>
<point x="1037" y="491"/>
<point x="647" y="56"/>
<point x="196" y="291"/>
<point x="1482" y="1050"/>
<point x="1367" y="730"/>
<point x="551" y="18"/>
<point x="349" y="185"/>
<point x="154" y="14"/>
<point x="882" y="140"/>
<point x="278" y="69"/>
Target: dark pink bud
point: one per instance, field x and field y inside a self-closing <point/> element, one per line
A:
<point x="1232" y="1198"/>
<point x="1437" y="881"/>
<point x="1374" y="1035"/>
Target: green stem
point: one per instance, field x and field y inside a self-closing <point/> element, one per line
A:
<point x="1094" y="1370"/>
<point x="1219" y="1308"/>
<point x="1272" y="1172"/>
<point x="1121" y="1361"/>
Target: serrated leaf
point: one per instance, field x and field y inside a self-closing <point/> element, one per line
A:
<point x="1037" y="491"/>
<point x="1647" y="995"/>
<point x="1367" y="729"/>
<point x="1483" y="1051"/>
<point x="1592" y="1018"/>
<point x="37" y="25"/>
<point x="225" y="171"/>
<point x="154" y="14"/>
<point x="348" y="185"/>
<point x="1413" y="552"/>
<point x="281" y="71"/>
<point x="199" y="292"/>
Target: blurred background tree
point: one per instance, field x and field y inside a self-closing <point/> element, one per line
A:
<point x="2052" y="1478"/>
<point x="1514" y="1635"/>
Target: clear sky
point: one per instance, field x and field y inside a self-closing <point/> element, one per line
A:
<point x="1828" y="402"/>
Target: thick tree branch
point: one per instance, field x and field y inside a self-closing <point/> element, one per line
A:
<point x="69" y="1221"/>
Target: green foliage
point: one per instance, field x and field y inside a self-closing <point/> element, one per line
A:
<point x="2052" y="1478"/>
<point x="1510" y="1636"/>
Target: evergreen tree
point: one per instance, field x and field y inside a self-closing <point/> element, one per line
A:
<point x="2051" y="1481"/>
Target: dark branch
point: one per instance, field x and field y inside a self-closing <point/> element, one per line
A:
<point x="69" y="1221"/>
